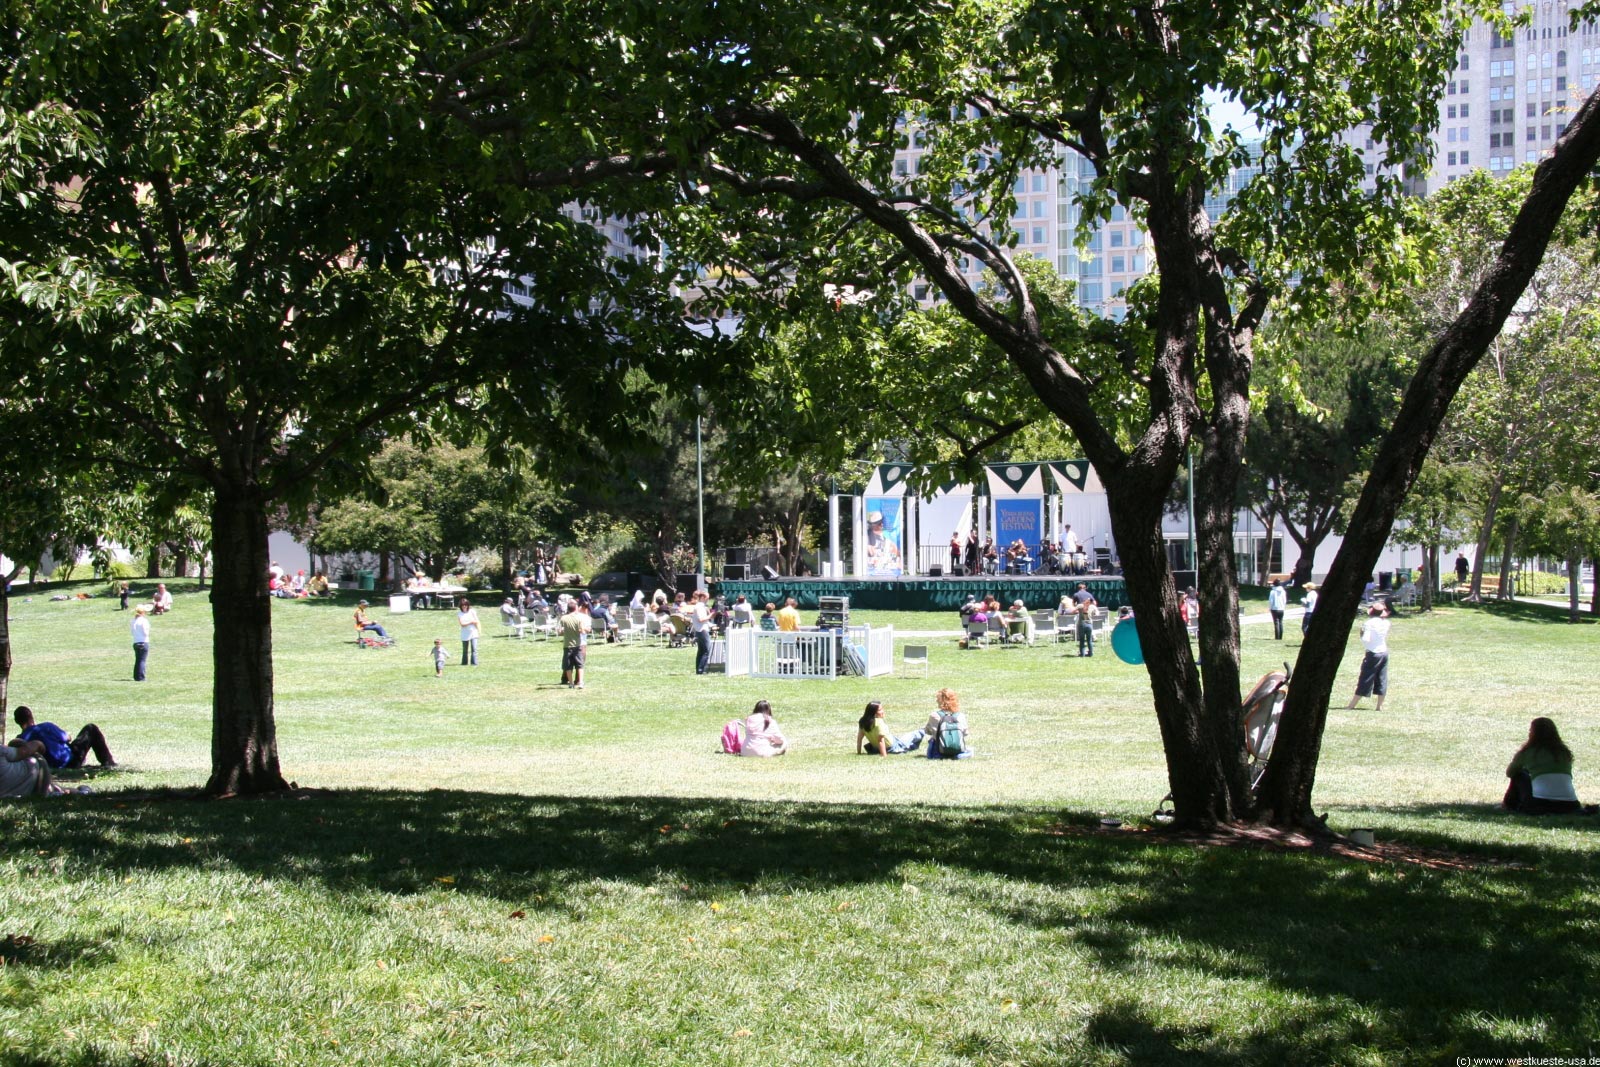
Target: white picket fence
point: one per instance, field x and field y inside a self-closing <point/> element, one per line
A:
<point x="754" y="653"/>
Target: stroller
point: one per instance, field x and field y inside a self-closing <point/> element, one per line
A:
<point x="1262" y="708"/>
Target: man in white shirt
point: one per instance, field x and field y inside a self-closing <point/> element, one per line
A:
<point x="1072" y="549"/>
<point x="1374" y="677"/>
<point x="700" y="626"/>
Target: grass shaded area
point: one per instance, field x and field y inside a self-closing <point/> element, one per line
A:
<point x="457" y="927"/>
<point x="508" y="871"/>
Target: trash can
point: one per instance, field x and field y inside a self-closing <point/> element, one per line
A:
<point x="366" y="580"/>
<point x="1384" y="580"/>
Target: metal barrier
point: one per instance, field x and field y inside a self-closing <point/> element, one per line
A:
<point x="860" y="650"/>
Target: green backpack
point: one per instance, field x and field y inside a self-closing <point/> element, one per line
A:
<point x="951" y="741"/>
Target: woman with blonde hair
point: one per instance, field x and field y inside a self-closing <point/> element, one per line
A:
<point x="947" y="728"/>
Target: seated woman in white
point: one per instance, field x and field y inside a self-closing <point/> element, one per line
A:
<point x="761" y="734"/>
<point x="1541" y="774"/>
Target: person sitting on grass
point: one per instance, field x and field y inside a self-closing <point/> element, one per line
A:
<point x="874" y="739"/>
<point x="1541" y="774"/>
<point x="769" y="621"/>
<point x="761" y="734"/>
<point x="162" y="601"/>
<point x="947" y="714"/>
<point x="24" y="771"/>
<point x="58" y="751"/>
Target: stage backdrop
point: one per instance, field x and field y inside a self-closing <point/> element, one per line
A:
<point x="883" y="542"/>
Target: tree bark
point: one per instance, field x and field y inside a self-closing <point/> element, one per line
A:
<point x="244" y="743"/>
<point x="1574" y="575"/>
<point x="1284" y="795"/>
<point x="1491" y="510"/>
<point x="5" y="648"/>
<point x="1512" y="529"/>
<point x="152" y="563"/>
<point x="1201" y="789"/>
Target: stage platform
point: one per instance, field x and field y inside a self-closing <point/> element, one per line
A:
<point x="927" y="594"/>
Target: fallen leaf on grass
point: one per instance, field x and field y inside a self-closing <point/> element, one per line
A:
<point x="715" y="906"/>
<point x="446" y="879"/>
<point x="547" y="939"/>
<point x="844" y="905"/>
<point x="741" y="1033"/>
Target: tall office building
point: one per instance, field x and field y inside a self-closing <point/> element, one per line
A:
<point x="1508" y="99"/>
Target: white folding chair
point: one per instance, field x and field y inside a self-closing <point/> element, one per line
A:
<point x="914" y="657"/>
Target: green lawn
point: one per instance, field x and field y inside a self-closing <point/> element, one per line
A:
<point x="507" y="871"/>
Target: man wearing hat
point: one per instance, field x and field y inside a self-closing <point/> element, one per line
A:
<point x="1310" y="603"/>
<point x="364" y="621"/>
<point x="882" y="553"/>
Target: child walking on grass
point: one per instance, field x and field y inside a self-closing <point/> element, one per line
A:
<point x="438" y="657"/>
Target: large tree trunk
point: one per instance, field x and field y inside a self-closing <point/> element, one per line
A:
<point x="1512" y="529"/>
<point x="152" y="562"/>
<point x="1491" y="511"/>
<point x="1574" y="576"/>
<point x="5" y="647"/>
<point x="244" y="742"/>
<point x="1200" y="788"/>
<point x="1284" y="796"/>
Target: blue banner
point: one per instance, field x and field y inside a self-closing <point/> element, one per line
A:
<point x="1019" y="519"/>
<point x="883" y="537"/>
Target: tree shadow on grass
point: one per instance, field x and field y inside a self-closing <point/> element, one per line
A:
<point x="1529" y="611"/>
<point x="1425" y="954"/>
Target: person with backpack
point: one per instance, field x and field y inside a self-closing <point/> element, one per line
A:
<point x="761" y="734"/>
<point x="947" y="728"/>
<point x="874" y="739"/>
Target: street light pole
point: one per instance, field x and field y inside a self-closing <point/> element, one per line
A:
<point x="700" y="490"/>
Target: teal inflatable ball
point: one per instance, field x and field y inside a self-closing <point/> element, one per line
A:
<point x="1125" y="642"/>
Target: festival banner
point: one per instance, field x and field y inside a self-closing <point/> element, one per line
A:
<point x="883" y="537"/>
<point x="1019" y="518"/>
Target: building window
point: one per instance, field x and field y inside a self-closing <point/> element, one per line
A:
<point x="1466" y="158"/>
<point x="1466" y="111"/>
<point x="1450" y="159"/>
<point x="1450" y="112"/>
<point x="1038" y="183"/>
<point x="1117" y="238"/>
<point x="1038" y="235"/>
<point x="1119" y="265"/>
<point x="1137" y="263"/>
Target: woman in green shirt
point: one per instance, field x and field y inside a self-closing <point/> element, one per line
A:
<point x="1541" y="774"/>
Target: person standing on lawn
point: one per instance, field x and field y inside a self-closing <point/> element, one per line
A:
<point x="1374" y="677"/>
<point x="700" y="627"/>
<point x="575" y="630"/>
<point x="467" y="619"/>
<point x="1277" y="603"/>
<point x="1310" y="603"/>
<point x="140" y="628"/>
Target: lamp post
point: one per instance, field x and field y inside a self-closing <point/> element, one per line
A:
<point x="700" y="492"/>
